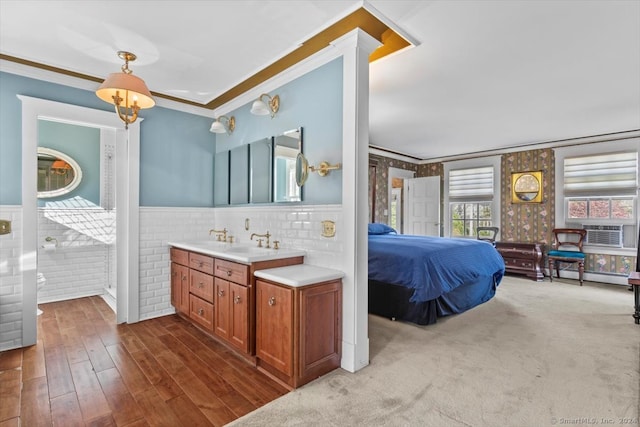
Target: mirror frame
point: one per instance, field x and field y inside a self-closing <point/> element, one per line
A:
<point x="290" y="134"/>
<point x="532" y="190"/>
<point x="77" y="178"/>
<point x="302" y="169"/>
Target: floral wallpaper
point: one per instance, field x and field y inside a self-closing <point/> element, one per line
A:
<point x="520" y="222"/>
<point x="381" y="166"/>
<point x="528" y="222"/>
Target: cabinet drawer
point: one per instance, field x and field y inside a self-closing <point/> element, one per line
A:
<point x="231" y="271"/>
<point x="519" y="263"/>
<point x="201" y="263"/>
<point x="517" y="252"/>
<point x="201" y="284"/>
<point x="201" y="311"/>
<point x="179" y="256"/>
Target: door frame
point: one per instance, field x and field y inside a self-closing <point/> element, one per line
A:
<point x="127" y="200"/>
<point x="403" y="174"/>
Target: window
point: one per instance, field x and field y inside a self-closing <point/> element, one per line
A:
<point x="600" y="190"/>
<point x="470" y="200"/>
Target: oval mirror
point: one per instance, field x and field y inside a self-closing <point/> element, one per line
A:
<point x="58" y="174"/>
<point x="302" y="169"/>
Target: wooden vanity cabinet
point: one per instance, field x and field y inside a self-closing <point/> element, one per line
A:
<point x="219" y="295"/>
<point x="298" y="330"/>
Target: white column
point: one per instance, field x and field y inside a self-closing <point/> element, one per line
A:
<point x="356" y="47"/>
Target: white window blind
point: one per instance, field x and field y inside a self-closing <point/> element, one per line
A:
<point x="601" y="174"/>
<point x="471" y="184"/>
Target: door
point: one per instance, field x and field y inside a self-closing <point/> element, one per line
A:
<point x="180" y="287"/>
<point x="274" y="326"/>
<point x="422" y="206"/>
<point x="221" y="308"/>
<point x="239" y="316"/>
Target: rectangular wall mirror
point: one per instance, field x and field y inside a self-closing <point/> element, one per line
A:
<point x="286" y="149"/>
<point x="260" y="168"/>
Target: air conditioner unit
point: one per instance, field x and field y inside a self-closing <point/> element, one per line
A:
<point x="604" y="235"/>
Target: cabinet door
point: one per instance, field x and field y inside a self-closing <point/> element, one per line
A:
<point x="321" y="329"/>
<point x="221" y="308"/>
<point x="260" y="170"/>
<point x="221" y="179"/>
<point x="180" y="287"/>
<point x="239" y="316"/>
<point x="274" y="326"/>
<point x="239" y="175"/>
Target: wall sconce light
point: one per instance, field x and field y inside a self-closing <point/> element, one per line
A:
<point x="128" y="93"/>
<point x="303" y="168"/>
<point x="324" y="167"/>
<point x="261" y="108"/>
<point x="218" y="127"/>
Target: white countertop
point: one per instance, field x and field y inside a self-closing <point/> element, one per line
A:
<point x="299" y="275"/>
<point x="236" y="252"/>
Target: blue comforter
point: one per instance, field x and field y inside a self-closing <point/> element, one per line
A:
<point x="433" y="266"/>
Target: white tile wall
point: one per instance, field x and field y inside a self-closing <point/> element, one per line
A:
<point x="80" y="265"/>
<point x="157" y="227"/>
<point x="11" y="280"/>
<point x="296" y="227"/>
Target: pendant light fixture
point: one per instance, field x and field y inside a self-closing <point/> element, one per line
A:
<point x="128" y="93"/>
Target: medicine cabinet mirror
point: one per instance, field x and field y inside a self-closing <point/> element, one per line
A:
<point x="58" y="174"/>
<point x="287" y="147"/>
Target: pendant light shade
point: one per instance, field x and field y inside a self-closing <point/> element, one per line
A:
<point x="129" y="87"/>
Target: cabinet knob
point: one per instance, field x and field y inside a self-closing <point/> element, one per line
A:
<point x="237" y="299"/>
<point x="184" y="277"/>
<point x="201" y="285"/>
<point x="229" y="273"/>
<point x="201" y="311"/>
<point x="272" y="301"/>
<point x="220" y="292"/>
<point x="200" y="264"/>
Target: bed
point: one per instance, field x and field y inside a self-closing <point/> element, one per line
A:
<point x="420" y="278"/>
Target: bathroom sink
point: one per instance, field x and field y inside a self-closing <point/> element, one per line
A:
<point x="245" y="249"/>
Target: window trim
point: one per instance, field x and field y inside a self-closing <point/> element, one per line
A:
<point x="495" y="162"/>
<point x="626" y="144"/>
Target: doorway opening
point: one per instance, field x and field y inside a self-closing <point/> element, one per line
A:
<point x="126" y="171"/>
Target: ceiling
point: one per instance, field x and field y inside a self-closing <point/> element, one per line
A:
<point x="482" y="76"/>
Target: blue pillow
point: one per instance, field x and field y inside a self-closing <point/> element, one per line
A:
<point x="377" y="228"/>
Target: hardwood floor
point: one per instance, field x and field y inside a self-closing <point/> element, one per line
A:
<point x="87" y="371"/>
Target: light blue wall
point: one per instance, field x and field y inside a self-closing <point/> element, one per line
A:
<point x="82" y="144"/>
<point x="176" y="152"/>
<point x="313" y="102"/>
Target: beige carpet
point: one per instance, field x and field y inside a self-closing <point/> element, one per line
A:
<point x="538" y="354"/>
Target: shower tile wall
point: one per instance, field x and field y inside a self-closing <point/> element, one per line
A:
<point x="81" y="265"/>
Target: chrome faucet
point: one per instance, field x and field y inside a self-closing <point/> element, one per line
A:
<point x="219" y="233"/>
<point x="260" y="240"/>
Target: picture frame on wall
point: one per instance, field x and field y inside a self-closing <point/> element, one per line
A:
<point x="526" y="187"/>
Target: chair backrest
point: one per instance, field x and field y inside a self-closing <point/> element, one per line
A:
<point x="569" y="238"/>
<point x="487" y="233"/>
